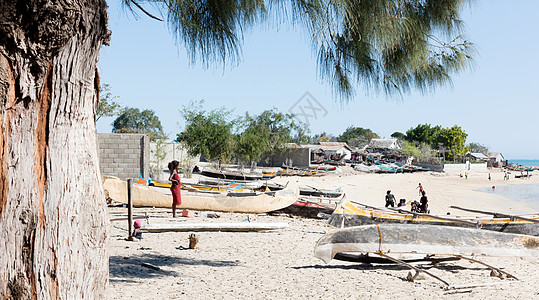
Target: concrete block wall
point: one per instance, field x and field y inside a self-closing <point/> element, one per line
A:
<point x="172" y="151"/>
<point x="300" y="157"/>
<point x="124" y="155"/>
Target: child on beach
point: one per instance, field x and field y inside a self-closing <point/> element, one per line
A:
<point x="402" y="203"/>
<point x="136" y="234"/>
<point x="390" y="199"/>
<point x="420" y="187"/>
<point x="414" y="206"/>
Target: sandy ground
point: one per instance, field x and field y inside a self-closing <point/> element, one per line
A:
<point x="280" y="264"/>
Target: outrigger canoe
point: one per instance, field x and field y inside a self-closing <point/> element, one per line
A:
<point x="348" y="214"/>
<point x="312" y="207"/>
<point x="423" y="239"/>
<point x="228" y="201"/>
<point x="231" y="175"/>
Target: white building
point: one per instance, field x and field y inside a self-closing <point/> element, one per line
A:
<point x="384" y="144"/>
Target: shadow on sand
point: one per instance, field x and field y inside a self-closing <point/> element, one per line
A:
<point x="131" y="266"/>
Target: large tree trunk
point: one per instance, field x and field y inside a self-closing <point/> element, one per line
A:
<point x="53" y="225"/>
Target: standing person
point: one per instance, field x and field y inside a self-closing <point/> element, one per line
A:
<point x="424" y="203"/>
<point x="390" y="199"/>
<point x="175" y="188"/>
<point x="420" y="187"/>
<point x="489" y="177"/>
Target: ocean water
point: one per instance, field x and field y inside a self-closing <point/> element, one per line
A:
<point x="522" y="192"/>
<point x="525" y="162"/>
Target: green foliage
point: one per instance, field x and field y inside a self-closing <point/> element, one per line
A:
<point x="423" y="133"/>
<point x="268" y="132"/>
<point x="253" y="141"/>
<point x="477" y="148"/>
<point x="450" y="140"/>
<point x="132" y="120"/>
<point x="410" y="149"/>
<point x="207" y="133"/>
<point x="382" y="45"/>
<point x="357" y="136"/>
<point x="454" y="139"/>
<point x="282" y="128"/>
<point x="107" y="105"/>
<point x="398" y="135"/>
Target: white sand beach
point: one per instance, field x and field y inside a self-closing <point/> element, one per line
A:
<point x="280" y="264"/>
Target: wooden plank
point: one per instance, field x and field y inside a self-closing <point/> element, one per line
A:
<point x="229" y="227"/>
<point x="129" y="208"/>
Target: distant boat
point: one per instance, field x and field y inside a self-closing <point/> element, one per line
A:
<point x="349" y="214"/>
<point x="231" y="175"/>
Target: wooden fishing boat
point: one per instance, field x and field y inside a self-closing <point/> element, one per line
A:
<point x="246" y="184"/>
<point x="349" y="213"/>
<point x="424" y="239"/>
<point x="227" y="201"/>
<point x="312" y="207"/>
<point x="269" y="175"/>
<point x="202" y="187"/>
<point x="231" y="175"/>
<point x="312" y="191"/>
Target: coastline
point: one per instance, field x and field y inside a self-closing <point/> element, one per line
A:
<point x="280" y="264"/>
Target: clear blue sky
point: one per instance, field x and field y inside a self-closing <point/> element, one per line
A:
<point x="496" y="103"/>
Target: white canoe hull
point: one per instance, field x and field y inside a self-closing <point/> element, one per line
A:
<point x="425" y="239"/>
<point x="144" y="196"/>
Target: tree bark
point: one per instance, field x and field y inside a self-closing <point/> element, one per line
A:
<point x="53" y="225"/>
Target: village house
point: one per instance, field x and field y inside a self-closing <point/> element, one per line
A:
<point x="383" y="144"/>
<point x="495" y="159"/>
<point x="475" y="157"/>
<point x="326" y="151"/>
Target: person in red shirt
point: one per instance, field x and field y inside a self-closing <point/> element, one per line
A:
<point x="175" y="188"/>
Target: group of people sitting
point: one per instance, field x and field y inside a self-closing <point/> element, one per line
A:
<point x="419" y="207"/>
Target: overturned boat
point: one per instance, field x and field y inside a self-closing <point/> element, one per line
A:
<point x="423" y="239"/>
<point x="391" y="240"/>
<point x="349" y="213"/>
<point x="225" y="201"/>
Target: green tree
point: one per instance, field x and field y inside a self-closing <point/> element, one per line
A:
<point x="453" y="139"/>
<point x="207" y="133"/>
<point x="107" y="105"/>
<point x="357" y="136"/>
<point x="398" y="135"/>
<point x="133" y="120"/>
<point x="282" y="128"/>
<point x="253" y="141"/>
<point x="49" y="54"/>
<point x="477" y="148"/>
<point x="410" y="149"/>
<point x="423" y="133"/>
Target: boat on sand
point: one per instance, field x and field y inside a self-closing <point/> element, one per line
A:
<point x="225" y="201"/>
<point x="349" y="213"/>
<point x="425" y="240"/>
<point x="389" y="241"/>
